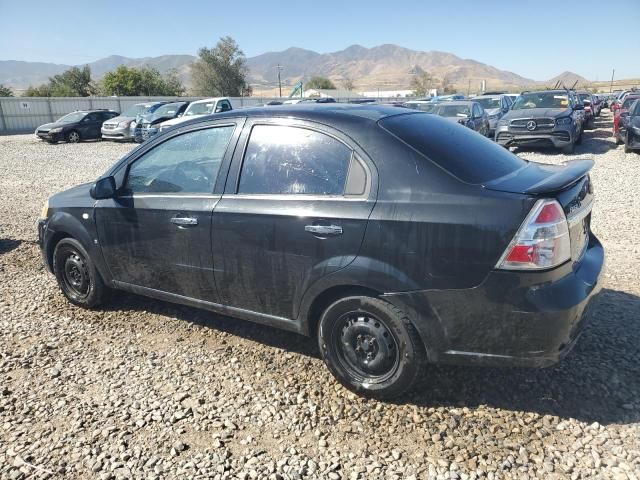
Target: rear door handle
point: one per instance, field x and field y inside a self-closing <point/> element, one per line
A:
<point x="324" y="230"/>
<point x="184" y="221"/>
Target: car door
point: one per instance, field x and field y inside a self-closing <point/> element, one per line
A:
<point x="90" y="126"/>
<point x="295" y="209"/>
<point x="477" y="117"/>
<point x="156" y="233"/>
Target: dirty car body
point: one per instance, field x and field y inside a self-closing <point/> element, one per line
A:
<point x="306" y="211"/>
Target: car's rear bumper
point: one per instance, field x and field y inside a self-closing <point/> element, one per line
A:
<point x="512" y="318"/>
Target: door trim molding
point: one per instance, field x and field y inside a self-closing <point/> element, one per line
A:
<point x="250" y="315"/>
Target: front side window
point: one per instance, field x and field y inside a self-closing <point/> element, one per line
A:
<point x="292" y="160"/>
<point x="188" y="163"/>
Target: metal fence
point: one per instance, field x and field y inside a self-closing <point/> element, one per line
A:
<point x="25" y="114"/>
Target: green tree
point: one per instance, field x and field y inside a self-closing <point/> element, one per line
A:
<point x="421" y="84"/>
<point x="220" y="70"/>
<point x="5" y="91"/>
<point x="75" y="82"/>
<point x="130" y="81"/>
<point x="348" y="84"/>
<point x="43" y="90"/>
<point x="320" y="83"/>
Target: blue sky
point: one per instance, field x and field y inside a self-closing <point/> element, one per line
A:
<point x="539" y="42"/>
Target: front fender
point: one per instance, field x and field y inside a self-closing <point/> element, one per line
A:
<point x="64" y="224"/>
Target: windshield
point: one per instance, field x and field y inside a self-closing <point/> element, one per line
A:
<point x="72" y="117"/>
<point x="168" y="110"/>
<point x="628" y="102"/>
<point x="541" y="100"/>
<point x="489" y="102"/>
<point x="199" y="109"/>
<point x="134" y="110"/>
<point x="584" y="96"/>
<point x="453" y="111"/>
<point x="470" y="157"/>
<point x="425" y="107"/>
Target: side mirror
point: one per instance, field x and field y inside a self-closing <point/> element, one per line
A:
<point x="103" y="188"/>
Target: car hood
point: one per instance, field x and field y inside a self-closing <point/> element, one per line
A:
<point x="537" y="113"/>
<point x="77" y="196"/>
<point x="120" y="118"/>
<point x="492" y="111"/>
<point x="47" y="126"/>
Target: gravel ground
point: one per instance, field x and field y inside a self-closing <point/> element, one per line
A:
<point x="145" y="389"/>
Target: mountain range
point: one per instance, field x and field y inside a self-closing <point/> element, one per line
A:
<point x="385" y="67"/>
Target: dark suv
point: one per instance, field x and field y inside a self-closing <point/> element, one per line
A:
<point x="545" y="118"/>
<point x="394" y="236"/>
<point x="76" y="126"/>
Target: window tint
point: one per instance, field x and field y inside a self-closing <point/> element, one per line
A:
<point x="281" y="159"/>
<point x="461" y="151"/>
<point x="92" y="117"/>
<point x="188" y="163"/>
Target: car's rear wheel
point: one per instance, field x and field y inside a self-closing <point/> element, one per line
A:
<point x="627" y="144"/>
<point x="73" y="137"/>
<point x="76" y="274"/>
<point x="370" y="346"/>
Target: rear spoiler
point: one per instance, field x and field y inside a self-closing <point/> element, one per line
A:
<point x="572" y="172"/>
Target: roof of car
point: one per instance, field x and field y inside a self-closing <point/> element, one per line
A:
<point x="488" y="95"/>
<point x="315" y="111"/>
<point x="458" y="102"/>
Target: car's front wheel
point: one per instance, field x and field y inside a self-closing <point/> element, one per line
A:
<point x="77" y="275"/>
<point x="370" y="346"/>
<point x="73" y="137"/>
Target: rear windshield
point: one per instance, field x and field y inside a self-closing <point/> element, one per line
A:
<point x="462" y="152"/>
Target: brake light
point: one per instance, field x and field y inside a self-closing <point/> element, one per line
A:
<point x="541" y="242"/>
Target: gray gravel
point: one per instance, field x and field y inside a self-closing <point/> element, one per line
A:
<point x="145" y="389"/>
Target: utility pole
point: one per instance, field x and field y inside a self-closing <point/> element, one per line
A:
<point x="611" y="84"/>
<point x="279" y="68"/>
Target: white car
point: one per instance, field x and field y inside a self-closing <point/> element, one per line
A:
<point x="199" y="108"/>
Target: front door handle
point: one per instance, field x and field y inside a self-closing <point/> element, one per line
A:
<point x="324" y="230"/>
<point x="184" y="221"/>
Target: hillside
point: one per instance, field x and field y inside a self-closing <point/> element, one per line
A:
<point x="385" y="66"/>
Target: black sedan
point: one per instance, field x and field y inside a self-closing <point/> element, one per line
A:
<point x="394" y="237"/>
<point x="630" y="128"/>
<point x="75" y="126"/>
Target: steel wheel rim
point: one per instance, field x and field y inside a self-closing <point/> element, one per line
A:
<point x="365" y="347"/>
<point x="75" y="273"/>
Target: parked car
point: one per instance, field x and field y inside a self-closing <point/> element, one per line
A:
<point x="123" y="126"/>
<point x="589" y="113"/>
<point x="148" y="124"/>
<point x="467" y="113"/>
<point x="630" y="128"/>
<point x="427" y="106"/>
<point x="496" y="105"/>
<point x="353" y="224"/>
<point x="512" y="96"/>
<point x="75" y="126"/>
<point x="621" y="112"/>
<point x="318" y="100"/>
<point x="542" y="118"/>
<point x="199" y="108"/>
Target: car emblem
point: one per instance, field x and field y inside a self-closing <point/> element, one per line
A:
<point x="531" y="125"/>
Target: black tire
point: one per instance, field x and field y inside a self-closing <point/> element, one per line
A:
<point x="627" y="144"/>
<point x="619" y="140"/>
<point x="76" y="274"/>
<point x="370" y="346"/>
<point x="579" y="139"/>
<point x="73" y="136"/>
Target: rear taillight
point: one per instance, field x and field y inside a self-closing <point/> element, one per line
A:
<point x="542" y="241"/>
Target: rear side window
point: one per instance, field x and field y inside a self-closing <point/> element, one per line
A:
<point x="293" y="160"/>
<point x="459" y="150"/>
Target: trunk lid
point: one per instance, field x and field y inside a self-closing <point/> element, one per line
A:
<point x="569" y="184"/>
